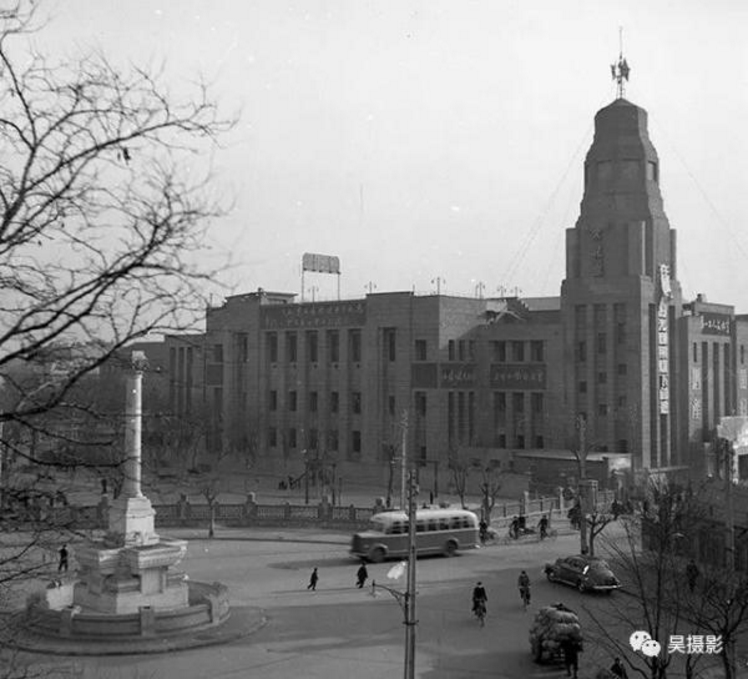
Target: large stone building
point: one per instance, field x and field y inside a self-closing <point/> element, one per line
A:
<point x="619" y="361"/>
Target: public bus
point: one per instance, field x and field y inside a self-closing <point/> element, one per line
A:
<point x="438" y="531"/>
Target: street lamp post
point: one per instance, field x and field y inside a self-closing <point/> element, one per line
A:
<point x="407" y="599"/>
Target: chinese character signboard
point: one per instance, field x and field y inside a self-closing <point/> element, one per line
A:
<point x="663" y="340"/>
<point x="715" y="324"/>
<point x="314" y="315"/>
<point x="518" y="376"/>
<point x="457" y="375"/>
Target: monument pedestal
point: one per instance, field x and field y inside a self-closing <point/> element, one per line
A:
<point x="130" y="568"/>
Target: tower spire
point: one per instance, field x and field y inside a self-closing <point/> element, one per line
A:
<point x="620" y="71"/>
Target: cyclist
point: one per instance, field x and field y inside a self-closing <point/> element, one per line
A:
<point x="524" y="587"/>
<point x="479" y="598"/>
<point x="543" y="526"/>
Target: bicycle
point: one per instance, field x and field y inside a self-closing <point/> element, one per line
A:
<point x="479" y="610"/>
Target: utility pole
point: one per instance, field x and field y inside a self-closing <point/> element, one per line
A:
<point x="403" y="460"/>
<point x="410" y="594"/>
<point x="582" y="488"/>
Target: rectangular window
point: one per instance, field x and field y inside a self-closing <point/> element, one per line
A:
<point x="461" y="350"/>
<point x="313" y="402"/>
<point x="580" y="316"/>
<point x="332" y="440"/>
<point x="333" y="346"/>
<point x="518" y="350"/>
<point x="502" y="441"/>
<point x="313" y="438"/>
<point x="217" y="354"/>
<point x="391" y="405"/>
<point x="421" y="404"/>
<point x="292" y="400"/>
<point x="499" y="408"/>
<point x="742" y="353"/>
<point x="602" y="377"/>
<point x="356" y="402"/>
<point x="273" y="401"/>
<point x="601" y="314"/>
<point x="471" y="350"/>
<point x="420" y="350"/>
<point x="498" y="351"/>
<point x="520" y="441"/>
<point x="622" y="369"/>
<point x="390" y="338"/>
<point x="311" y="347"/>
<point x="539" y="443"/>
<point x="354" y="338"/>
<point x="451" y="350"/>
<point x="450" y="417"/>
<point x="621" y="332"/>
<point x="243" y="348"/>
<point x="518" y="403"/>
<point x="583" y="387"/>
<point x="272" y="345"/>
<point x="356" y="441"/>
<point x="536" y="350"/>
<point x="695" y="353"/>
<point x="602" y="409"/>
<point x="334" y="402"/>
<point x="292" y="443"/>
<point x="622" y="401"/>
<point x="601" y="343"/>
<point x="537" y="403"/>
<point x="272" y="437"/>
<point x="291" y="348"/>
<point x="582" y="351"/>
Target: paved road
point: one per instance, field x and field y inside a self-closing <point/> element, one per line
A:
<point x="340" y="631"/>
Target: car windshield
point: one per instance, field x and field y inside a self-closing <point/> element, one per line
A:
<point x="599" y="565"/>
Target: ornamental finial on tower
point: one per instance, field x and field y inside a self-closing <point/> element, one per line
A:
<point x="620" y="71"/>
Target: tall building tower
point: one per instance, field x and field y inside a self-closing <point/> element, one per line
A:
<point x="620" y="297"/>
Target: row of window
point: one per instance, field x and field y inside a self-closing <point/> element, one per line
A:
<point x="312" y="403"/>
<point x="293" y="438"/>
<point x="311" y="346"/>
<point x="519" y="441"/>
<point x="457" y="350"/>
<point x="601" y="344"/>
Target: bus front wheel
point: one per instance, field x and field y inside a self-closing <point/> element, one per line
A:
<point x="450" y="548"/>
<point x="377" y="555"/>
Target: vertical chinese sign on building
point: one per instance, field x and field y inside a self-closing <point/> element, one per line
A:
<point x="663" y="341"/>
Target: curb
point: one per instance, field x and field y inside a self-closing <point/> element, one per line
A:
<point x="240" y="624"/>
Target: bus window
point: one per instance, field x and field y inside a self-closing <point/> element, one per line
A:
<point x="397" y="528"/>
<point x="420" y="526"/>
<point x="433" y="525"/>
<point x="465" y="523"/>
<point x="455" y="522"/>
<point x="444" y="523"/>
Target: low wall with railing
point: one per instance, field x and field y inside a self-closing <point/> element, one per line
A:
<point x="250" y="513"/>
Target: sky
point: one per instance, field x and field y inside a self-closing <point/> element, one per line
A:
<point x="441" y="142"/>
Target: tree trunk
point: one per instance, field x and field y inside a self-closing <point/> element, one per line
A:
<point x="212" y="525"/>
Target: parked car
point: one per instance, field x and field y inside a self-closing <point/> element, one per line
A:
<point x="583" y="572"/>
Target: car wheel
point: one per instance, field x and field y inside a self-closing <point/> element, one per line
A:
<point x="580" y="586"/>
<point x="377" y="555"/>
<point x="450" y="548"/>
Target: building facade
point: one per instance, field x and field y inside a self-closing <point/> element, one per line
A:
<point x="618" y="360"/>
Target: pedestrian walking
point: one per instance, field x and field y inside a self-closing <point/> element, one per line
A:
<point x="361" y="575"/>
<point x="543" y="526"/>
<point x="618" y="669"/>
<point x="571" y="651"/>
<point x="313" y="580"/>
<point x="63" y="564"/>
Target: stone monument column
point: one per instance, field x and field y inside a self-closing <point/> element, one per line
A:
<point x="131" y="516"/>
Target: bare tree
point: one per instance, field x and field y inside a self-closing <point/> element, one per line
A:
<point x="596" y="522"/>
<point x="100" y="214"/>
<point x="460" y="472"/>
<point x="105" y="197"/>
<point x="490" y="486"/>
